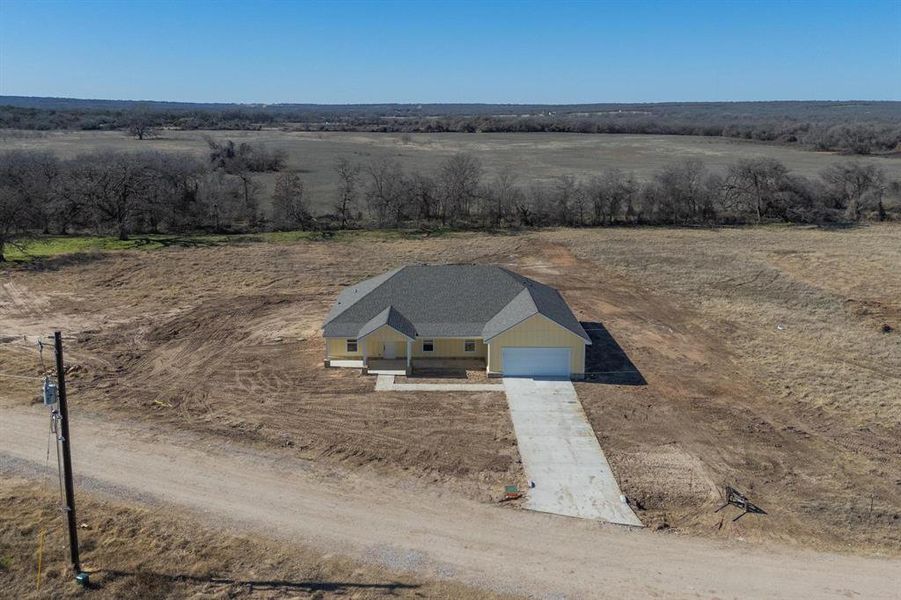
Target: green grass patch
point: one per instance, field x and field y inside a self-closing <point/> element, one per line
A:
<point x="47" y="247"/>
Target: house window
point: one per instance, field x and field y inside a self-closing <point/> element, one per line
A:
<point x="351" y="345"/>
<point x="469" y="346"/>
<point x="428" y="345"/>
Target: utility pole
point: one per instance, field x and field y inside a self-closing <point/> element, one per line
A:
<point x="67" y="458"/>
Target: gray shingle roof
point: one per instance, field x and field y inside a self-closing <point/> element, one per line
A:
<point x="392" y="318"/>
<point x="446" y="301"/>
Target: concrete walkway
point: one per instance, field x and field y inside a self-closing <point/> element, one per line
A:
<point x="561" y="453"/>
<point x="385" y="383"/>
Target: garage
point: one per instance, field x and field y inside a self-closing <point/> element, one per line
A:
<point x="536" y="362"/>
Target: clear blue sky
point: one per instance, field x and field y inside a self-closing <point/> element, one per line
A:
<point x="522" y="52"/>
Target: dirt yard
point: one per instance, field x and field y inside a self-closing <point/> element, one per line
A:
<point x="227" y="340"/>
<point x="753" y="357"/>
<point x="148" y="553"/>
<point x="767" y="369"/>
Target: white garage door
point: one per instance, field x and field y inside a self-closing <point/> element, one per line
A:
<point x="536" y="362"/>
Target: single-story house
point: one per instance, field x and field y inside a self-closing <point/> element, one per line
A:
<point x="421" y="315"/>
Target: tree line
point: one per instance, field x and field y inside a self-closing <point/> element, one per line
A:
<point x="124" y="193"/>
<point x="382" y="193"/>
<point x="850" y="127"/>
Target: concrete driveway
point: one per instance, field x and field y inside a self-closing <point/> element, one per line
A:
<point x="561" y="453"/>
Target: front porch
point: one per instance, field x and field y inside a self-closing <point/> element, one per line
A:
<point x="386" y="366"/>
<point x="427" y="368"/>
<point x="437" y="368"/>
<point x="386" y="351"/>
<point x="446" y="368"/>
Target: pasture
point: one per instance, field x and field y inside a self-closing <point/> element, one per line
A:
<point x="532" y="157"/>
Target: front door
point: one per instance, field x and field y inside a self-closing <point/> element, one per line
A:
<point x="390" y="350"/>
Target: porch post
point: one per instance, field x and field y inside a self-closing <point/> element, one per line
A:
<point x="365" y="343"/>
<point x="409" y="353"/>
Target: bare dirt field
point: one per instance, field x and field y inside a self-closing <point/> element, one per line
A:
<point x="227" y="339"/>
<point x="532" y="157"/>
<point x="767" y="368"/>
<point x="762" y="358"/>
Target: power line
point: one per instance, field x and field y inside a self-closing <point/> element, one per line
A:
<point x="41" y="353"/>
<point x="40" y="344"/>
<point x="28" y="377"/>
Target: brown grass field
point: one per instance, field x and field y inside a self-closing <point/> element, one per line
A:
<point x="149" y="553"/>
<point x="532" y="157"/>
<point x="763" y="351"/>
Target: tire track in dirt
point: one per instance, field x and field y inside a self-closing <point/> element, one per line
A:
<point x="699" y="401"/>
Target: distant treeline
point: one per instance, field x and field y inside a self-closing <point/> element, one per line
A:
<point x="849" y="127"/>
<point x="156" y="192"/>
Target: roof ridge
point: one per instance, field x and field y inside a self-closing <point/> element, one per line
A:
<point x="389" y="316"/>
<point x="529" y="288"/>
<point x="387" y="279"/>
<point x="534" y="311"/>
<point x="557" y="321"/>
<point x="528" y="292"/>
<point x="511" y="274"/>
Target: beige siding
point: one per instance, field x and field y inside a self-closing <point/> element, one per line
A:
<point x="537" y="332"/>
<point x="375" y="342"/>
<point x="337" y="348"/>
<point x="449" y="348"/>
<point x="444" y="347"/>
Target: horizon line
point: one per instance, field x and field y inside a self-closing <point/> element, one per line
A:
<point x="448" y="103"/>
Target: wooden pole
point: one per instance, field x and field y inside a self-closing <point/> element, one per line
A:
<point x="67" y="456"/>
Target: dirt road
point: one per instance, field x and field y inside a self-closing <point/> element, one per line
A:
<point x="434" y="534"/>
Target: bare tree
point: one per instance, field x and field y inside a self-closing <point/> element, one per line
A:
<point x="21" y="198"/>
<point x="31" y="184"/>
<point x="682" y="195"/>
<point x="754" y="184"/>
<point x="612" y="195"/>
<point x="289" y="210"/>
<point x="423" y="196"/>
<point x="567" y="203"/>
<point x="241" y="161"/>
<point x="348" y="182"/>
<point x="500" y="197"/>
<point x="235" y="159"/>
<point x="114" y="185"/>
<point x="176" y="181"/>
<point x="67" y="204"/>
<point x="459" y="180"/>
<point x="853" y="183"/>
<point x="533" y="207"/>
<point x="387" y="194"/>
<point x="14" y="218"/>
<point x="141" y="124"/>
<point x="37" y="175"/>
<point x="221" y="200"/>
